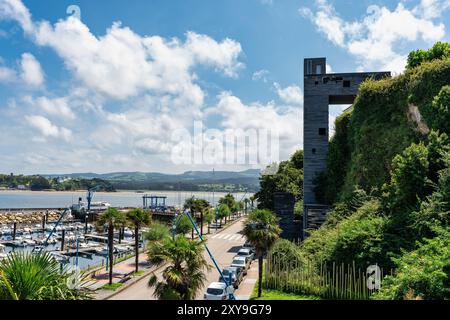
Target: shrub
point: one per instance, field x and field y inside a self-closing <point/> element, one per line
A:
<point x="423" y="273"/>
<point x="356" y="238"/>
<point x="286" y="255"/>
<point x="288" y="178"/>
<point x="408" y="178"/>
<point x="435" y="210"/>
<point x="184" y="225"/>
<point x="439" y="51"/>
<point x="157" y="231"/>
<point x="425" y="84"/>
<point x="360" y="236"/>
<point x="378" y="130"/>
<point x="298" y="210"/>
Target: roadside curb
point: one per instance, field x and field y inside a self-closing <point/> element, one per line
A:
<point x="148" y="272"/>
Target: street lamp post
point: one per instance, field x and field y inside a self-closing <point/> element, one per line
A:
<point x="76" y="259"/>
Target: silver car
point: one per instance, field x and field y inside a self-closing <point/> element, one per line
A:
<point x="241" y="262"/>
<point x="246" y="252"/>
<point x="232" y="275"/>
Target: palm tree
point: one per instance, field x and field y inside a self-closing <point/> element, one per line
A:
<point x="246" y="202"/>
<point x="261" y="230"/>
<point x="184" y="225"/>
<point x="223" y="212"/>
<point x="138" y="218"/>
<point x="197" y="206"/>
<point x="111" y="218"/>
<point x="184" y="276"/>
<point x="157" y="231"/>
<point x="253" y="198"/>
<point x="209" y="217"/>
<point x="25" y="276"/>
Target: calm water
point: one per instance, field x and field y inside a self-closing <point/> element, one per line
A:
<point x="43" y="199"/>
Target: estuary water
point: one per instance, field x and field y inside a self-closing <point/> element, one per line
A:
<point x="53" y="199"/>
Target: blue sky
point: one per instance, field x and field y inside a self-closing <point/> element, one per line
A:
<point x="111" y="90"/>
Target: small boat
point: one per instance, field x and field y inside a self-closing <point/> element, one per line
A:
<point x="59" y="257"/>
<point x="83" y="245"/>
<point x="29" y="242"/>
<point x="38" y="249"/>
<point x="128" y="233"/>
<point x="52" y="240"/>
<point x="3" y="253"/>
<point x="20" y="243"/>
<point x="105" y="251"/>
<point x="6" y="231"/>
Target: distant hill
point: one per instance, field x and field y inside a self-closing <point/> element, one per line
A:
<point x="190" y="180"/>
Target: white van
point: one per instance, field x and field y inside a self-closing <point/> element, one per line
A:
<point x="218" y="291"/>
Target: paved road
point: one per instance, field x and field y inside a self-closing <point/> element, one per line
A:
<point x="223" y="245"/>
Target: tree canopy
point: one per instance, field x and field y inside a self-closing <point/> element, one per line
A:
<point x="288" y="178"/>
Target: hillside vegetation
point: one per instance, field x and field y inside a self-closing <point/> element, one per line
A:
<point x="388" y="179"/>
<point x="388" y="183"/>
<point x="39" y="183"/>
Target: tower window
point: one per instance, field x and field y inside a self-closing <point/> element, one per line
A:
<point x="314" y="150"/>
<point x="318" y="69"/>
<point x="322" y="131"/>
<point x="309" y="67"/>
<point x="346" y="84"/>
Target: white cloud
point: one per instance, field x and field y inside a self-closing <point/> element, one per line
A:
<point x="375" y="38"/>
<point x="291" y="95"/>
<point x="128" y="94"/>
<point x="430" y="9"/>
<point x="47" y="128"/>
<point x="31" y="71"/>
<point x="267" y="2"/>
<point x="260" y="75"/>
<point x="223" y="55"/>
<point x="57" y="106"/>
<point x="286" y="121"/>
<point x="7" y="74"/>
<point x="121" y="63"/>
<point x="16" y="10"/>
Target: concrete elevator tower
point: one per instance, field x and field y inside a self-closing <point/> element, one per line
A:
<point x="320" y="91"/>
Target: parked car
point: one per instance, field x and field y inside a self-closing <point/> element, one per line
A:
<point x="234" y="274"/>
<point x="241" y="262"/>
<point x="249" y="246"/>
<point x="218" y="291"/>
<point x="246" y="252"/>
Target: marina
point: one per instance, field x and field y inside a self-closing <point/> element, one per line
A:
<point x="69" y="233"/>
<point x="69" y="242"/>
<point x="13" y="200"/>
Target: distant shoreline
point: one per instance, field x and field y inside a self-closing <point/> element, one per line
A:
<point x="120" y="191"/>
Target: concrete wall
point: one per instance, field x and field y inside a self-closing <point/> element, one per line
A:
<point x="321" y="90"/>
<point x="284" y="208"/>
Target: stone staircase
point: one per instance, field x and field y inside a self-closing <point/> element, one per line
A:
<point x="315" y="217"/>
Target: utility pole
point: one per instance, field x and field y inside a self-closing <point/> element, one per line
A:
<point x="214" y="188"/>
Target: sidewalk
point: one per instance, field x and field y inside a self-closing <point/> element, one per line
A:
<point x="122" y="272"/>
<point x="245" y="289"/>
